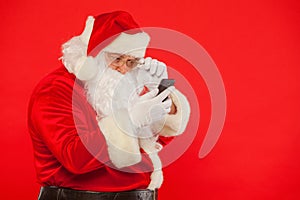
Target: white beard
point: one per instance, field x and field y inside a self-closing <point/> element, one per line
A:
<point x="100" y="92"/>
<point x="110" y="90"/>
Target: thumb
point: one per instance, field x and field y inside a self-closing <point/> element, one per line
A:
<point x="149" y="95"/>
<point x="165" y="94"/>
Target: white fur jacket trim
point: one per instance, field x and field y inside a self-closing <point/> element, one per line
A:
<point x="123" y="148"/>
<point x="175" y="124"/>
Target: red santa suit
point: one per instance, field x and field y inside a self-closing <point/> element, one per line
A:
<point x="61" y="158"/>
<point x="62" y="123"/>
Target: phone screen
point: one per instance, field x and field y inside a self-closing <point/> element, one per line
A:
<point x="164" y="84"/>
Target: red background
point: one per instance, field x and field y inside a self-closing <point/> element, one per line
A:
<point x="255" y="46"/>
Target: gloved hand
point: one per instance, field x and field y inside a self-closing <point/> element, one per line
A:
<point x="151" y="72"/>
<point x="150" y="108"/>
<point x="75" y="56"/>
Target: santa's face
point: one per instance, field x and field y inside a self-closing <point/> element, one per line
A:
<point x="114" y="85"/>
<point x="121" y="63"/>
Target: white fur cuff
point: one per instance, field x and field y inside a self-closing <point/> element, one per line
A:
<point x="123" y="149"/>
<point x="175" y="124"/>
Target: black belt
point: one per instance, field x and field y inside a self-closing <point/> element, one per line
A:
<point x="56" y="193"/>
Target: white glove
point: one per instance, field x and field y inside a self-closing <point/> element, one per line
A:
<point x="151" y="73"/>
<point x="75" y="56"/>
<point x="150" y="108"/>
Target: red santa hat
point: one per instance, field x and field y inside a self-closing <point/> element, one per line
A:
<point x="116" y="32"/>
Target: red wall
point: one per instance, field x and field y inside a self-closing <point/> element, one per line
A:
<point x="255" y="46"/>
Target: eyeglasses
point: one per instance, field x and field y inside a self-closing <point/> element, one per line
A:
<point x="119" y="60"/>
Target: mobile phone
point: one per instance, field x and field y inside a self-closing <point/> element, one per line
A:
<point x="164" y="84"/>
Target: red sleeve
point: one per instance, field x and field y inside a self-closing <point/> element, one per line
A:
<point x="65" y="122"/>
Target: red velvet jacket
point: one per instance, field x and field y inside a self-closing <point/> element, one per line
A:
<point x="60" y="157"/>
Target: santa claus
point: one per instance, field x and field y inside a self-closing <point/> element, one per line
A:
<point x="120" y="86"/>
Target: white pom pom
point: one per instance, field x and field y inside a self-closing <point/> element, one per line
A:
<point x="87" y="69"/>
<point x="75" y="54"/>
<point x="73" y="51"/>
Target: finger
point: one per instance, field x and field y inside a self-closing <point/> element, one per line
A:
<point x="141" y="62"/>
<point x="160" y="69"/>
<point x="165" y="74"/>
<point x="165" y="93"/>
<point x="167" y="104"/>
<point x="157" y="112"/>
<point x="153" y="66"/>
<point x="167" y="110"/>
<point x="147" y="63"/>
<point x="149" y="95"/>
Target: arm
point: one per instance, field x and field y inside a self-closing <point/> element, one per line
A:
<point x="67" y="127"/>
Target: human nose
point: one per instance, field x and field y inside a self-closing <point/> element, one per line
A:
<point x="122" y="68"/>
